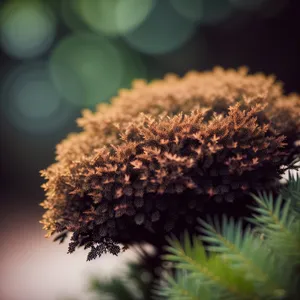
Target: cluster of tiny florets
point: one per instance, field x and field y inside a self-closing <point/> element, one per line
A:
<point x="162" y="154"/>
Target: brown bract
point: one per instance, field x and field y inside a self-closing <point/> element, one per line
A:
<point x="164" y="153"/>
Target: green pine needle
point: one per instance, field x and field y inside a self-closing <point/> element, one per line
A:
<point x="240" y="264"/>
<point x="183" y="287"/>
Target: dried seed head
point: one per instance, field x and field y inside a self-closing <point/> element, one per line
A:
<point x="181" y="146"/>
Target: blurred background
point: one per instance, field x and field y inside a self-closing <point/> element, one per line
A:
<point x="60" y="56"/>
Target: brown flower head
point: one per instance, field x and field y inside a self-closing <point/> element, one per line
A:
<point x="164" y="153"/>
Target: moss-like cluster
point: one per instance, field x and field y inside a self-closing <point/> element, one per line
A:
<point x="163" y="153"/>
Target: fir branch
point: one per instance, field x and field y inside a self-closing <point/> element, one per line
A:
<point x="209" y="271"/>
<point x="272" y="215"/>
<point x="240" y="265"/>
<point x="279" y="220"/>
<point x="182" y="287"/>
<point x="233" y="244"/>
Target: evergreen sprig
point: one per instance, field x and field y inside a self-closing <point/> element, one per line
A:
<point x="237" y="263"/>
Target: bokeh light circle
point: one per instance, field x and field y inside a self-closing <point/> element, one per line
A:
<point x="163" y="31"/>
<point x="131" y="13"/>
<point x="37" y="98"/>
<point x="209" y="12"/>
<point x="27" y="29"/>
<point x="194" y="53"/>
<point x="70" y="16"/>
<point x="31" y="102"/>
<point x="133" y="65"/>
<point x="191" y="9"/>
<point x="86" y="69"/>
<point x="215" y="11"/>
<point x="114" y="17"/>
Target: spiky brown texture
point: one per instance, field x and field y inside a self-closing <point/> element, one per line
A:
<point x="164" y="153"/>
